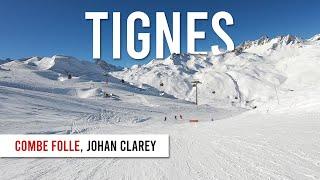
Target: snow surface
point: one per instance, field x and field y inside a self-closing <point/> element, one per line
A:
<point x="265" y="112"/>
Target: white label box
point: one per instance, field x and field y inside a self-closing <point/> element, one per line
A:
<point x="113" y="145"/>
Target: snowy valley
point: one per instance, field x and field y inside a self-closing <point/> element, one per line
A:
<point x="258" y="112"/>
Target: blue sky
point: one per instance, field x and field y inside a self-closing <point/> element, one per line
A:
<point x="45" y="28"/>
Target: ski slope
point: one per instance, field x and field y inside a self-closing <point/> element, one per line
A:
<point x="279" y="139"/>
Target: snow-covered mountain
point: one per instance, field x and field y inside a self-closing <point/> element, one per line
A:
<point x="64" y="65"/>
<point x="252" y="74"/>
<point x="51" y="75"/>
<point x="315" y="38"/>
<point x="5" y="61"/>
<point x="266" y="43"/>
<point x="107" y="67"/>
<point x="68" y="64"/>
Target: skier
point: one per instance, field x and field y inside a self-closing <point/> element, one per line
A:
<point x="165" y="118"/>
<point x="175" y="117"/>
<point x="180" y="116"/>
